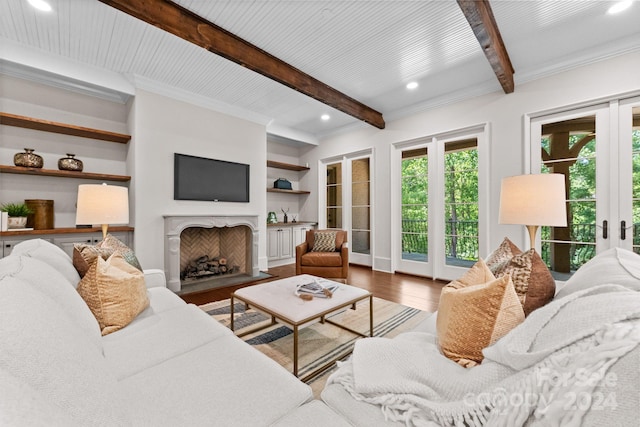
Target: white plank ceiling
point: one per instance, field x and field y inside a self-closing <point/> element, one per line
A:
<point x="368" y="50"/>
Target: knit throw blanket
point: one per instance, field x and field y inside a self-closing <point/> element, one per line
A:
<point x="552" y="361"/>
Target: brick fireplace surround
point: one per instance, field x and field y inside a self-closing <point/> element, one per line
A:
<point x="175" y="224"/>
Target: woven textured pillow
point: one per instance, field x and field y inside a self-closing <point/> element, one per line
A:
<point x="474" y="312"/>
<point x="115" y="292"/>
<point x="324" y="241"/>
<point x="84" y="254"/>
<point x="127" y="253"/>
<point x="531" y="277"/>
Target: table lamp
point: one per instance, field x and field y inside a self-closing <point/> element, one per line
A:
<point x="533" y="200"/>
<point x="102" y="204"/>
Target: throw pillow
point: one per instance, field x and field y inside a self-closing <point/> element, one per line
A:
<point x="474" y="312"/>
<point x="114" y="291"/>
<point x="84" y="254"/>
<point x="324" y="241"/>
<point x="531" y="277"/>
<point x="127" y="253"/>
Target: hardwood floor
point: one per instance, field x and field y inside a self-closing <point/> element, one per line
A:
<point x="412" y="291"/>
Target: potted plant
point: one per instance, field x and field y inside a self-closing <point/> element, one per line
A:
<point x="17" y="214"/>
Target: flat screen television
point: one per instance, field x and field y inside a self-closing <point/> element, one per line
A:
<point x="199" y="178"/>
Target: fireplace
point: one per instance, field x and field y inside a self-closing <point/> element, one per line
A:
<point x="215" y="246"/>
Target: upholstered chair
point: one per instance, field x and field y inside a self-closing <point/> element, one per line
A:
<point x="332" y="263"/>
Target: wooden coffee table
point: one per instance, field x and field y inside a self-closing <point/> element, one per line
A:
<point x="278" y="300"/>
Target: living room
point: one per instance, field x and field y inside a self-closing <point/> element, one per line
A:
<point x="163" y="120"/>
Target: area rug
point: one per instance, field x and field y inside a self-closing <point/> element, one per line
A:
<point x="318" y="343"/>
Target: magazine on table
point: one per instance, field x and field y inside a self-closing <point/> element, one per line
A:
<point x="317" y="289"/>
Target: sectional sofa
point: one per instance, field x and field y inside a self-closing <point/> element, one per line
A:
<point x="171" y="366"/>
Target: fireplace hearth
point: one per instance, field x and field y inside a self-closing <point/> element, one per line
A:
<point x="210" y="248"/>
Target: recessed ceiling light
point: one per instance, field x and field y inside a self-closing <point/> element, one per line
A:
<point x="40" y="5"/>
<point x="619" y="7"/>
<point x="412" y="85"/>
<point x="325" y="117"/>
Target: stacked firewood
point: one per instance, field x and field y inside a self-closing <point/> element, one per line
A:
<point x="206" y="266"/>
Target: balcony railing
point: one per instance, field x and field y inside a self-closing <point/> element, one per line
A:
<point x="461" y="241"/>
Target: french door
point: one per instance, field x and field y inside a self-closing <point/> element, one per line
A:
<point x="597" y="149"/>
<point x="347" y="203"/>
<point x="439" y="205"/>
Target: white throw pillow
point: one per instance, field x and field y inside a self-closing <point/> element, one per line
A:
<point x="613" y="266"/>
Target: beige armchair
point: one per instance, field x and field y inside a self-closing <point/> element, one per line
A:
<point x="332" y="265"/>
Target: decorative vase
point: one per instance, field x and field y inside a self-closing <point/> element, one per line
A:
<point x="17" y="222"/>
<point x="28" y="159"/>
<point x="70" y="163"/>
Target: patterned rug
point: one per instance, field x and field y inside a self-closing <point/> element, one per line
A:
<point x="319" y="343"/>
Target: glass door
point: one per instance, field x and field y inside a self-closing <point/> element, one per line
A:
<point x="438" y="215"/>
<point x="597" y="149"/>
<point x="629" y="161"/>
<point x="414" y="211"/>
<point x="360" y="229"/>
<point x="347" y="203"/>
<point x="333" y="212"/>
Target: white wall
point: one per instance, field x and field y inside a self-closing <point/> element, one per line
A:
<point x="162" y="126"/>
<point x="505" y="116"/>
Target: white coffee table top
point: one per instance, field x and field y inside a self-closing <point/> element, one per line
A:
<point x="279" y="298"/>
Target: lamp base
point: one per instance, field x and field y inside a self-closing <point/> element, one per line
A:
<point x="533" y="229"/>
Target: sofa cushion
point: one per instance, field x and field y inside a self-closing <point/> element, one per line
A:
<point x="324" y="241"/>
<point x="312" y="414"/>
<point x="44" y="278"/>
<point x="236" y="386"/>
<point x="45" y="349"/>
<point x="145" y="342"/>
<point x="22" y="405"/>
<point x="474" y="312"/>
<point x="321" y="259"/>
<point x="531" y="277"/>
<point x="114" y="291"/>
<point x="50" y="254"/>
<point x="616" y="265"/>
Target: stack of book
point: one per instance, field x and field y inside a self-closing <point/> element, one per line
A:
<point x="316" y="289"/>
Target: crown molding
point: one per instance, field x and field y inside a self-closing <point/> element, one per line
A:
<point x="26" y="62"/>
<point x="144" y="83"/>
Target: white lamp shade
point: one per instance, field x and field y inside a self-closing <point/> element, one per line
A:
<point x="537" y="199"/>
<point x="102" y="204"/>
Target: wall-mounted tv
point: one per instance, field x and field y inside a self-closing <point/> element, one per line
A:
<point x="199" y="178"/>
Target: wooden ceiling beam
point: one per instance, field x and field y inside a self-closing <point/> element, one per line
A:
<point x="483" y="23"/>
<point x="185" y="24"/>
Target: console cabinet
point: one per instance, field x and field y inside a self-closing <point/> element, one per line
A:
<point x="282" y="240"/>
<point x="63" y="238"/>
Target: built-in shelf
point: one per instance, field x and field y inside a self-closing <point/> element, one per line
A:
<point x="63" y="128"/>
<point x="69" y="230"/>
<point x="286" y="166"/>
<point x="280" y="190"/>
<point x="63" y="174"/>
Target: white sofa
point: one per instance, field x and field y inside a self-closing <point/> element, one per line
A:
<point x="615" y="399"/>
<point x="173" y="365"/>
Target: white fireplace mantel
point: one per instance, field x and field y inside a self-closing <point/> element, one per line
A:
<point x="175" y="224"/>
